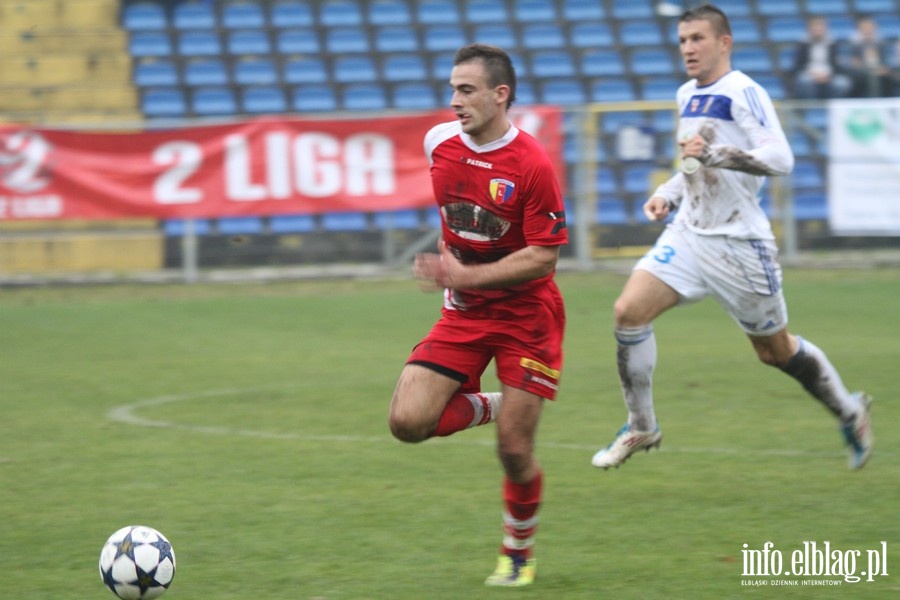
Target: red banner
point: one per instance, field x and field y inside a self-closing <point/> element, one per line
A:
<point x="255" y="167"/>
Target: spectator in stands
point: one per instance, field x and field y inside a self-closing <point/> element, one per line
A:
<point x="816" y="73"/>
<point x="870" y="61"/>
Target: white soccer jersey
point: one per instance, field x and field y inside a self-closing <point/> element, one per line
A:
<point x="737" y="119"/>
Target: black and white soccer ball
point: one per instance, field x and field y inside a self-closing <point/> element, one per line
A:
<point x="137" y="563"/>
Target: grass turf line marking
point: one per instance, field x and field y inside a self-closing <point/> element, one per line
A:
<point x="126" y="414"/>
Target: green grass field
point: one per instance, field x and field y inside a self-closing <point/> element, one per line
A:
<point x="247" y="422"/>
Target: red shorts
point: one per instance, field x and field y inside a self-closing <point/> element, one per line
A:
<point x="523" y="335"/>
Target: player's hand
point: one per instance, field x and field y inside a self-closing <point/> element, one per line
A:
<point x="656" y="208"/>
<point x="437" y="271"/>
<point x="693" y="147"/>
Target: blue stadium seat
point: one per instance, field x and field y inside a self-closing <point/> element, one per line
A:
<point x="525" y="94"/>
<point x="243" y="15"/>
<point x="304" y="69"/>
<point x="396" y="39"/>
<point x="660" y="88"/>
<point x="875" y="6"/>
<point x="149" y="44"/>
<point x="442" y="64"/>
<point x="199" y="43"/>
<point x="752" y="59"/>
<point x="827" y="7"/>
<point x="397" y="219"/>
<point x="287" y="14"/>
<point x="404" y="67"/>
<point x="534" y="11"/>
<point x="292" y="223"/>
<point x="519" y="64"/>
<point x="636" y="179"/>
<point x="633" y="9"/>
<point x="800" y="144"/>
<point x="810" y="207"/>
<point x="266" y="99"/>
<point x="364" y="96"/>
<point x="248" y="41"/>
<point x="745" y="30"/>
<point x="347" y="40"/>
<point x="778" y="8"/>
<point x="156" y="72"/>
<point x="773" y="85"/>
<point x="163" y="102"/>
<point x="543" y="36"/>
<point x="255" y="71"/>
<point x="209" y="101"/>
<point x="340" y="13"/>
<point x="591" y="34"/>
<point x="503" y="35"/>
<point x="194" y="15"/>
<point x="389" y="12"/>
<point x="786" y="29"/>
<point x="651" y="61"/>
<point x="413" y="96"/>
<point x="345" y="221"/>
<point x="602" y="63"/>
<point x="735" y="8"/>
<point x="611" y="211"/>
<point x="612" y="122"/>
<point x="297" y="41"/>
<point x="583" y="10"/>
<point x="843" y="28"/>
<point x="807" y="174"/>
<point x="240" y="225"/>
<point x="177" y="227"/>
<point x="438" y="38"/>
<point x="438" y="12"/>
<point x="607" y="182"/>
<point x="206" y="71"/>
<point x="640" y="33"/>
<point x="354" y="69"/>
<point x="144" y="16"/>
<point x="889" y="26"/>
<point x="612" y="90"/>
<point x="664" y="121"/>
<point x="552" y="63"/>
<point x="563" y="92"/>
<point x="313" y="98"/>
<point x="486" y="11"/>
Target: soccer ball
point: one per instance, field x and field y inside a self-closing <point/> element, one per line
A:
<point x="137" y="563"/>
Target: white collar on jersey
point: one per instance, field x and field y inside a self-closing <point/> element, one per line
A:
<point x="509" y="136"/>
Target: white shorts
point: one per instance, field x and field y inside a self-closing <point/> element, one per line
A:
<point x="742" y="275"/>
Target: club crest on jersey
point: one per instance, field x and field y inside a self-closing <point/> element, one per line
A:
<point x="501" y="190"/>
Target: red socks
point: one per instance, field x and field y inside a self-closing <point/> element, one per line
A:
<point x="520" y="502"/>
<point x="462" y="412"/>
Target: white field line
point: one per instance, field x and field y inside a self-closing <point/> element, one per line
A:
<point x="127" y="414"/>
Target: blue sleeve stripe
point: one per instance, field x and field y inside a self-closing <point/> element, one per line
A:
<point x="756" y="106"/>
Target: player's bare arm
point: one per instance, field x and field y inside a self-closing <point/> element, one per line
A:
<point x="447" y="271"/>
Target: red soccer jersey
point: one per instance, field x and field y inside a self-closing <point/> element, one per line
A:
<point x="494" y="199"/>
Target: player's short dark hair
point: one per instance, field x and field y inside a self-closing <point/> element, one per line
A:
<point x="497" y="63"/>
<point x="711" y="13"/>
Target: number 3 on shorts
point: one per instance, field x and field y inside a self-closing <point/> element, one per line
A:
<point x="663" y="254"/>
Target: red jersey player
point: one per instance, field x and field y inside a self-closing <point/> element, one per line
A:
<point x="502" y="227"/>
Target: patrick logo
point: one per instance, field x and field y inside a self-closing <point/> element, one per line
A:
<point x="501" y="190"/>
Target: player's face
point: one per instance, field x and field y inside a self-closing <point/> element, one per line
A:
<point x="705" y="55"/>
<point x="481" y="109"/>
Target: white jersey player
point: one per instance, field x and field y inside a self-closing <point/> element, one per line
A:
<point x="720" y="243"/>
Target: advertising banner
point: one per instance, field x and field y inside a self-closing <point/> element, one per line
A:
<point x="259" y="167"/>
<point x="864" y="166"/>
